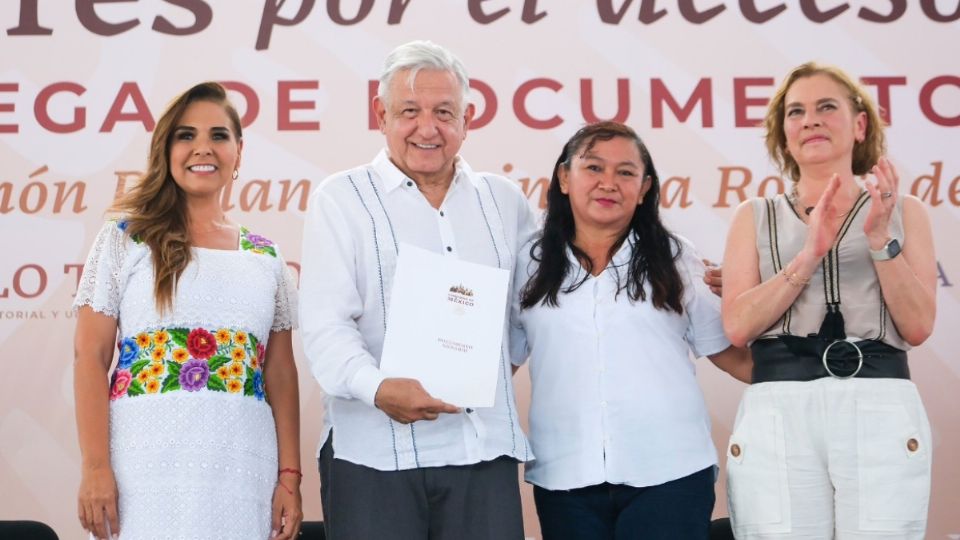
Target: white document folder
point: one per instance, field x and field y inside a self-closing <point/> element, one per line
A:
<point x="445" y="326"/>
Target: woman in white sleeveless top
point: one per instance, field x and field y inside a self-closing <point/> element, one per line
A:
<point x="830" y="284"/>
<point x="196" y="435"/>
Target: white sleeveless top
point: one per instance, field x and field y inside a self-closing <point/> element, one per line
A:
<point x="846" y="274"/>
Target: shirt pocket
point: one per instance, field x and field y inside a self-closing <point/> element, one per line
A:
<point x="893" y="466"/>
<point x="757" y="485"/>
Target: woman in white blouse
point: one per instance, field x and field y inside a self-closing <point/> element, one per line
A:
<point x="608" y="306"/>
<point x="196" y="434"/>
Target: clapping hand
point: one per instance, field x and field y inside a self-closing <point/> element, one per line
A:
<point x="883" y="197"/>
<point x="823" y="226"/>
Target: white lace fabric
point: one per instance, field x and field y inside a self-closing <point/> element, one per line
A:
<point x="190" y="465"/>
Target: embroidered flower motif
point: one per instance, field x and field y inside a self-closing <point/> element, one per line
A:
<point x="179" y="358"/>
<point x="121" y="382"/>
<point x="256" y="243"/>
<point x="258" y="240"/>
<point x="194" y="375"/>
<point x="161" y="337"/>
<point x="128" y="352"/>
<point x="123" y="224"/>
<point x="201" y="344"/>
<point x="223" y="336"/>
<point x="143" y="340"/>
<point x="235" y="370"/>
<point x="261" y="353"/>
<point x="258" y="384"/>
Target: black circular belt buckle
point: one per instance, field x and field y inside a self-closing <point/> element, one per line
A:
<point x="826" y="364"/>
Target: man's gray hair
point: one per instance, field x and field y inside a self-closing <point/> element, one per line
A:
<point x="417" y="55"/>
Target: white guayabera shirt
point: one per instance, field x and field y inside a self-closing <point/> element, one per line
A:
<point x="354" y="225"/>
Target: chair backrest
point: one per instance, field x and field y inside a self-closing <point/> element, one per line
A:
<point x="312" y="530"/>
<point x="26" y="530"/>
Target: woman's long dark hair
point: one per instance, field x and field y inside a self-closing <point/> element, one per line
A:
<point x="655" y="248"/>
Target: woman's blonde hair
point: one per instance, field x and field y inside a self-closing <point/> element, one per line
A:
<point x="155" y="208"/>
<point x="865" y="153"/>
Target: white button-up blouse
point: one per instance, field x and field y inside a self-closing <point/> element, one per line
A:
<point x="615" y="396"/>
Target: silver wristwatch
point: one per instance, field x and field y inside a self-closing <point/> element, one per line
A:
<point x="889" y="250"/>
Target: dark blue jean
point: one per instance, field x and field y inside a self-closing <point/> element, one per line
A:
<point x="677" y="510"/>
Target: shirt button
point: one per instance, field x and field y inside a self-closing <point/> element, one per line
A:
<point x="469" y="410"/>
<point x="409" y="183"/>
<point x="603" y="404"/>
<point x="441" y="213"/>
<point x="449" y="248"/>
<point x="735" y="450"/>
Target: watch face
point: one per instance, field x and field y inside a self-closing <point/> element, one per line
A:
<point x="893" y="248"/>
<point x="889" y="250"/>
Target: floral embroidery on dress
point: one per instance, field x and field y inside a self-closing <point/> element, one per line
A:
<point x="122" y="224"/>
<point x="256" y="243"/>
<point x="192" y="360"/>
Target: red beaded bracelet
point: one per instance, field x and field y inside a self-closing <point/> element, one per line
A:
<point x="291" y="471"/>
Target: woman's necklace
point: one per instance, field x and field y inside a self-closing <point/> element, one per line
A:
<point x="794" y="199"/>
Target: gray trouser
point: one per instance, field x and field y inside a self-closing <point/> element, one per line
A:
<point x="465" y="502"/>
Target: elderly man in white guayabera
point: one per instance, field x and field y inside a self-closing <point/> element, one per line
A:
<point x="395" y="462"/>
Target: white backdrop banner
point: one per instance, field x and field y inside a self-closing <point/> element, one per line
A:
<point x="81" y="84"/>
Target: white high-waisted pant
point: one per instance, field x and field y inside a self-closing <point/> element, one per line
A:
<point x="830" y="458"/>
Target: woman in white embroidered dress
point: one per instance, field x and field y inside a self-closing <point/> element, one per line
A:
<point x="831" y="440"/>
<point x="197" y="433"/>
